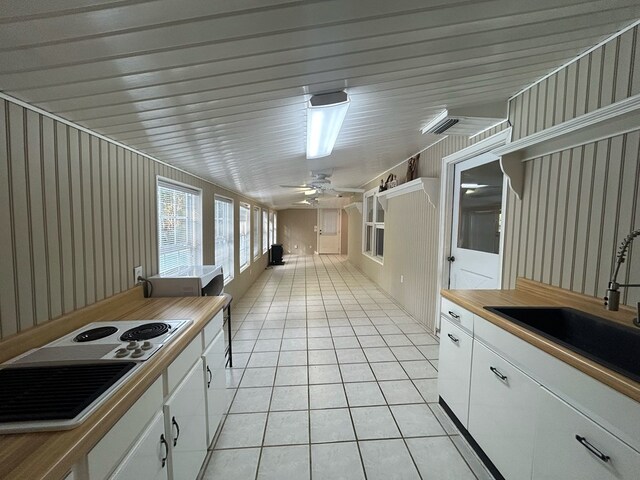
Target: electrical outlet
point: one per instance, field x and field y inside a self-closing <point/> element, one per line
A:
<point x="401" y="278"/>
<point x="137" y="272"/>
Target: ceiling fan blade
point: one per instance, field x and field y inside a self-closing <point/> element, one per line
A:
<point x="347" y="189"/>
<point x="306" y="187"/>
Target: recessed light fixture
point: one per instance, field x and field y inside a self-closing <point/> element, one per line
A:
<point x="325" y="114"/>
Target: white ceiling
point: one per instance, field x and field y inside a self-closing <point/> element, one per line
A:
<point x="218" y="88"/>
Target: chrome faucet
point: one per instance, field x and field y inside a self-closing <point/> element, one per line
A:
<point x="612" y="300"/>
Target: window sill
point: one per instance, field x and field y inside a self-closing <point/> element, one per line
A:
<point x="227" y="281"/>
<point x="376" y="259"/>
<point x="242" y="269"/>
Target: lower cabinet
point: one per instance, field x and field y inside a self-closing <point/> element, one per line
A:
<point x="147" y="459"/>
<point x="570" y="446"/>
<point x="502" y="412"/>
<point x="215" y="383"/>
<point x="185" y="426"/>
<point x="454" y="375"/>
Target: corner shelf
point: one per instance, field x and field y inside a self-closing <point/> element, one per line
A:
<point x="352" y="207"/>
<point x="606" y="122"/>
<point x="430" y="186"/>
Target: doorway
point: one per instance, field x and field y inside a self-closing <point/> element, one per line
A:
<point x="477" y="223"/>
<point x="329" y="230"/>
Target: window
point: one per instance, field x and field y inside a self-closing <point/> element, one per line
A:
<point x="256" y="233"/>
<point x="245" y="236"/>
<point x="272" y="228"/>
<point x="224" y="236"/>
<point x="265" y="231"/>
<point x="373" y="227"/>
<point x="179" y="225"/>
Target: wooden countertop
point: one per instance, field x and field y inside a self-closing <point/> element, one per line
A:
<point x="50" y="455"/>
<point x="530" y="293"/>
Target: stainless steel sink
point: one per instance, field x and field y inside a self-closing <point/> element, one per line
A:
<point x="608" y="343"/>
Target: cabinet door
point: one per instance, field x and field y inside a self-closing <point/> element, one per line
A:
<point x="502" y="412"/>
<point x="454" y="372"/>
<point x="571" y="446"/>
<point x="185" y="426"/>
<point x="215" y="381"/>
<point x="147" y="458"/>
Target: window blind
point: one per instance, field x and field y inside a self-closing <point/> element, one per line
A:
<point x="245" y="236"/>
<point x="256" y="232"/>
<point x="179" y="226"/>
<point x="265" y="231"/>
<point x="224" y="236"/>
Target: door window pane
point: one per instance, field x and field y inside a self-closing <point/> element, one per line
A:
<point x="329" y="222"/>
<point x="480" y="217"/>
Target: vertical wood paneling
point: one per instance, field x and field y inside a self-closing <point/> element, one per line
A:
<point x="37" y="219"/>
<point x="20" y="215"/>
<point x="80" y="214"/>
<point x="591" y="201"/>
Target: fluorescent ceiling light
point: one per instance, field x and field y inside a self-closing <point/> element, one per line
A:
<point x="441" y="116"/>
<point x="325" y="114"/>
<point x="472" y="185"/>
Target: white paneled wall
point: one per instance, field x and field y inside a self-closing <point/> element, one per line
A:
<point x="77" y="214"/>
<point x="578" y="204"/>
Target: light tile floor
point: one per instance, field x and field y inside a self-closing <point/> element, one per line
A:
<point x="333" y="380"/>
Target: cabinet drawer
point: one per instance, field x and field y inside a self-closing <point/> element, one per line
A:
<point x="106" y="455"/>
<point x="502" y="412"/>
<point x="211" y="329"/>
<point x="183" y="363"/>
<point x="457" y="314"/>
<point x="454" y="372"/>
<point x="570" y="446"/>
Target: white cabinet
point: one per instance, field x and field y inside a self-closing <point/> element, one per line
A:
<point x="215" y="382"/>
<point x="454" y="375"/>
<point x="147" y="460"/>
<point x="502" y="412"/>
<point x="185" y="426"/>
<point x="570" y="446"/>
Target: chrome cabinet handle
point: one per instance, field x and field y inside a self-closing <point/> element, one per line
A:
<point x="453" y="339"/>
<point x="457" y="317"/>
<point x="210" y="376"/>
<point x="498" y="374"/>
<point x="166" y="450"/>
<point x="173" y="422"/>
<point x="592" y="449"/>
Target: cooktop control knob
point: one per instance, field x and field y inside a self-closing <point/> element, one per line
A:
<point x="122" y="352"/>
<point x="132" y="345"/>
<point x="147" y="345"/>
<point x="137" y="353"/>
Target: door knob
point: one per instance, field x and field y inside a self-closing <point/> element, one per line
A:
<point x="451" y="259"/>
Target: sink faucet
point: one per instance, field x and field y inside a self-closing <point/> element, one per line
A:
<point x="612" y="300"/>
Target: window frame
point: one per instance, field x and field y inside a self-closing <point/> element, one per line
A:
<point x="374" y="225"/>
<point x="256" y="231"/>
<point x="164" y="182"/>
<point x="247" y="207"/>
<point x="265" y="231"/>
<point x="230" y="274"/>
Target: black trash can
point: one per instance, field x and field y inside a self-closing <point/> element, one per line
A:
<point x="276" y="254"/>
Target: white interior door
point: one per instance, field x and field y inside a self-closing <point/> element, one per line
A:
<point x="476" y="235"/>
<point x="329" y="220"/>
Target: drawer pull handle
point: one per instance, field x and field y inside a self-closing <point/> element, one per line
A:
<point x="453" y="339"/>
<point x="498" y="374"/>
<point x="173" y="422"/>
<point x="210" y="376"/>
<point x="454" y="315"/>
<point x="592" y="449"/>
<point x="166" y="450"/>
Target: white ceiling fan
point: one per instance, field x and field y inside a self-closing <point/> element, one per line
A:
<point x="321" y="183"/>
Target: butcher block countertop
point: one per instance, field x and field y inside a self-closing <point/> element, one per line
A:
<point x="530" y="293"/>
<point x="50" y="455"/>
